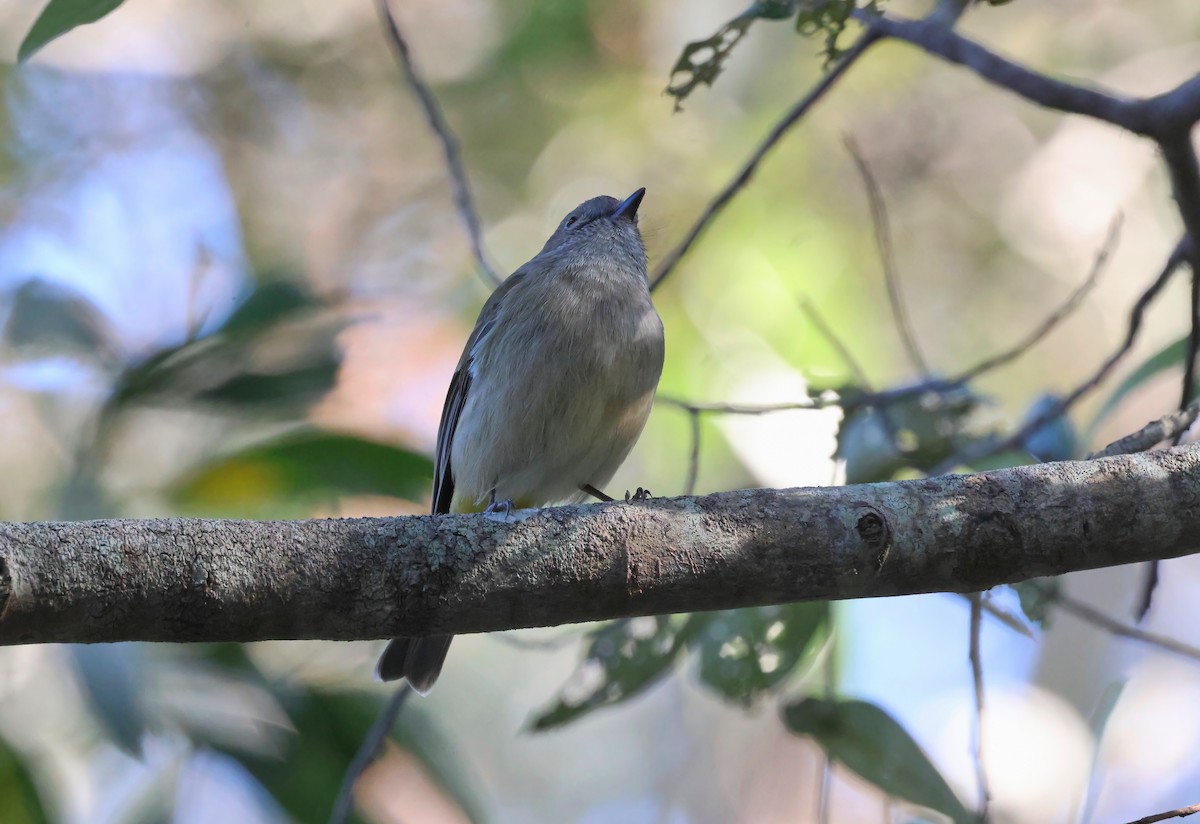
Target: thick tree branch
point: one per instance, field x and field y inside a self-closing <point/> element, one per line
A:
<point x="210" y="580"/>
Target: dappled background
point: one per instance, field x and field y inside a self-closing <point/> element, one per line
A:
<point x="233" y="282"/>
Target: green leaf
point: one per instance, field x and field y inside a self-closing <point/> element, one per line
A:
<point x="50" y="316"/>
<point x="870" y="742"/>
<point x="303" y="469"/>
<point x="745" y="653"/>
<point x="270" y="303"/>
<point x="1169" y="357"/>
<point x="917" y="431"/>
<point x="20" y="802"/>
<point x="624" y="658"/>
<point x="1037" y="596"/>
<point x="58" y="18"/>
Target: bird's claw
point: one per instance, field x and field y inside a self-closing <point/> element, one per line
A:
<point x="495" y="506"/>
<point x="640" y="495"/>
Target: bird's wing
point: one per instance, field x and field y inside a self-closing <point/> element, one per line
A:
<point x="456" y="397"/>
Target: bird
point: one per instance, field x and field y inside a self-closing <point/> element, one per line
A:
<point x="553" y="388"/>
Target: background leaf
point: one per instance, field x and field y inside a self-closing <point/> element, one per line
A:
<point x="58" y="18"/>
<point x="304" y="468"/>
<point x="873" y="744"/>
<point x="746" y="652"/>
<point x="51" y="316"/>
<point x="624" y="659"/>
<point x="20" y="802"/>
<point x="1169" y="357"/>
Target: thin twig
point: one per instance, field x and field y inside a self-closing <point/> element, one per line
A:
<point x="689" y="486"/>
<point x="463" y="201"/>
<point x="839" y="346"/>
<point x="1054" y="318"/>
<point x="1193" y="350"/>
<point x="1166" y="428"/>
<point x="746" y="409"/>
<point x="538" y="644"/>
<point x="883" y="242"/>
<point x="367" y="750"/>
<point x="1181" y="812"/>
<point x="1097" y="618"/>
<point x="1003" y="616"/>
<point x="747" y="171"/>
<point x="1146" y="598"/>
<point x="985" y="793"/>
<point x="985" y="449"/>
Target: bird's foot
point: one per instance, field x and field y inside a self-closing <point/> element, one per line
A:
<point x="640" y="495"/>
<point x="495" y="507"/>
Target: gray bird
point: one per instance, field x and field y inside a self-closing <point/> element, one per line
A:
<point x="553" y="387"/>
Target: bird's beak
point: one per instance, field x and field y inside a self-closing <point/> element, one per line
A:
<point x="629" y="206"/>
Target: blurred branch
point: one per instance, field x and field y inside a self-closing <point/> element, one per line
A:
<point x="937" y="39"/>
<point x="355" y="579"/>
<point x="887" y="257"/>
<point x="1054" y="318"/>
<point x="976" y="658"/>
<point x="437" y="122"/>
<point x="1181" y="812"/>
<point x="781" y="128"/>
<point x="985" y="449"/>
<point x="839" y="346"/>
<point x="1166" y="428"/>
<point x="367" y="750"/>
<point x="1097" y="618"/>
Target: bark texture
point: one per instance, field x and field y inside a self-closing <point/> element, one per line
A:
<point x="215" y="580"/>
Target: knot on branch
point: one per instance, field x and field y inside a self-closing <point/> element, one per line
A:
<point x="872" y="528"/>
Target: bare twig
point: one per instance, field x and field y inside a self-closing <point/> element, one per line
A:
<point x="747" y="171"/>
<point x="367" y="751"/>
<point x="746" y="409"/>
<point x="883" y="241"/>
<point x="1054" y="318"/>
<point x="985" y="449"/>
<point x="1165" y="428"/>
<point x="1193" y="349"/>
<point x="1181" y="812"/>
<point x="689" y="486"/>
<point x="1003" y="616"/>
<point x="463" y="201"/>
<point x="1137" y="116"/>
<point x="985" y="793"/>
<point x="839" y="346"/>
<point x="1097" y="618"/>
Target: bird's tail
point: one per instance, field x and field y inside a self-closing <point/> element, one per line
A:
<point x="417" y="659"/>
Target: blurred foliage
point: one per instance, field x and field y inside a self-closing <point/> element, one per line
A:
<point x="48" y="318"/>
<point x="916" y="432"/>
<point x="275" y="354"/>
<point x="873" y="744"/>
<point x="1171" y="356"/>
<point x="1055" y="440"/>
<point x="301" y="471"/>
<point x="58" y="18"/>
<point x="20" y="802"/>
<point x="1037" y="596"/>
<point x="703" y="60"/>
<point x="744" y="654"/>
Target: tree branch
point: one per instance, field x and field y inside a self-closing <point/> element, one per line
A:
<point x="1134" y="115"/>
<point x="463" y="201"/>
<point x="214" y="580"/>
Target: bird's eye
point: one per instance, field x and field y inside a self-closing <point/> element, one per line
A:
<point x="571" y="221"/>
